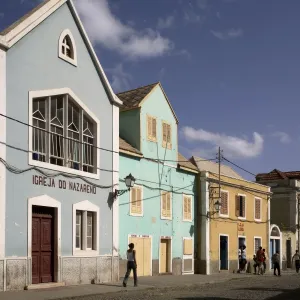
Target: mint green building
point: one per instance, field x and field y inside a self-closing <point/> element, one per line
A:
<point x="157" y="215"/>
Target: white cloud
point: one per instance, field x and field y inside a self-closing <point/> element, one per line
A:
<point x="228" y="34"/>
<point x="231" y="145"/>
<point x="282" y="136"/>
<point x="105" y="29"/>
<point x="191" y="17"/>
<point x="120" y="80"/>
<point x="218" y="15"/>
<point x="165" y="23"/>
<point x="184" y="52"/>
<point x="202" y="4"/>
<point x="161" y="73"/>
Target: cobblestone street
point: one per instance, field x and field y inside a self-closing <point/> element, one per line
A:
<point x="251" y="287"/>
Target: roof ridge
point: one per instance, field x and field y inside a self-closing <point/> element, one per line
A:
<point x="155" y="83"/>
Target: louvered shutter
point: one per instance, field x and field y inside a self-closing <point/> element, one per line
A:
<point x="164" y="134"/>
<point x="168" y="208"/>
<point x="185" y="208"/>
<point x="168" y="135"/>
<point x="133" y="201"/>
<point x="153" y="129"/>
<point x="244" y="207"/>
<point x="224" y="203"/>
<point x="164" y="204"/>
<point x="149" y="128"/>
<point x="257" y="209"/>
<point x="139" y="200"/>
<point x="237" y="206"/>
<point x="189" y="207"/>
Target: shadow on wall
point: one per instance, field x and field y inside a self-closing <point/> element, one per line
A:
<point x="110" y="200"/>
<point x="192" y="230"/>
<point x="284" y="294"/>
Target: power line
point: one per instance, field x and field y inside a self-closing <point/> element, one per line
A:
<point x="239" y="167"/>
<point x="96" y="147"/>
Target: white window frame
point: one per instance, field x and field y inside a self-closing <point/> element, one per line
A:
<point x="191" y="198"/>
<point x="227" y="215"/>
<point x="258" y="238"/>
<point x="257" y="198"/>
<point x="244" y="218"/>
<point x="64" y="169"/>
<point x="61" y="55"/>
<point x="142" y="201"/>
<point x="87" y="206"/>
<point x="161" y="206"/>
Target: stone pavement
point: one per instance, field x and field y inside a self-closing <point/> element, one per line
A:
<point x="163" y="281"/>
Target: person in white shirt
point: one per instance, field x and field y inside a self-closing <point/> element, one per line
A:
<point x="296" y="257"/>
<point x="131" y="265"/>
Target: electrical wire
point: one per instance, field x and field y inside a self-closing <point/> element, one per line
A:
<point x="96" y="147"/>
<point x="239" y="166"/>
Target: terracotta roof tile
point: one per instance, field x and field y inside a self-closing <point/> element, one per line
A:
<point x="123" y="145"/>
<point x="185" y="163"/>
<point x="19" y="21"/>
<point x="277" y="175"/>
<point x="132" y="98"/>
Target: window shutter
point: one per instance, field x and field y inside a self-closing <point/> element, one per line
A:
<point x="257" y="209"/>
<point x="189" y="208"/>
<point x="168" y="208"/>
<point x="133" y="201"/>
<point x="224" y="203"/>
<point x="168" y="135"/>
<point x="149" y="127"/>
<point x="164" y="134"/>
<point x="164" y="204"/>
<point x="244" y="203"/>
<point x="237" y="205"/>
<point x="185" y="208"/>
<point x="188" y="247"/>
<point x="153" y="128"/>
<point x="139" y="200"/>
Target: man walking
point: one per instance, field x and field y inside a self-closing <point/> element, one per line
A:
<point x="296" y="257"/>
<point x="260" y="260"/>
<point x="276" y="263"/>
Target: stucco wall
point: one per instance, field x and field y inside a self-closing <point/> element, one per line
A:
<point x="33" y="64"/>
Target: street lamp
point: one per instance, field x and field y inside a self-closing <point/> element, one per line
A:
<point x="129" y="182"/>
<point x="217" y="207"/>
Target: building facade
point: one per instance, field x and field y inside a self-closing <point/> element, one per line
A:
<point x="242" y="220"/>
<point x="157" y="215"/>
<point x="58" y="223"/>
<point x="285" y="187"/>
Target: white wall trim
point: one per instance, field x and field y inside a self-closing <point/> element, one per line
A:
<point x="276" y="238"/>
<point x="65" y="33"/>
<point x="2" y="150"/>
<point x="205" y="222"/>
<point x="142" y="201"/>
<point x="238" y="247"/>
<point x="169" y="254"/>
<point x="228" y="206"/>
<point x="228" y="262"/>
<point x="45" y="200"/>
<point x="192" y="210"/>
<point x="46" y="165"/>
<point x="86" y="206"/>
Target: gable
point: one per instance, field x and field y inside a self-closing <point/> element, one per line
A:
<point x="11" y="35"/>
<point x="135" y="98"/>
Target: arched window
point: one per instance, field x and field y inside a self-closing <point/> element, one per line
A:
<point x="64" y="133"/>
<point x="67" y="48"/>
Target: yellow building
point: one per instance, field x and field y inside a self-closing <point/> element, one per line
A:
<point x="243" y="219"/>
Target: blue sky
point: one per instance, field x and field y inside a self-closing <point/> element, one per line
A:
<point x="230" y="68"/>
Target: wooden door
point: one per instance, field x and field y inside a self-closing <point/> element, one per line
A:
<point x="42" y="248"/>
<point x="163" y="256"/>
<point x="147" y="257"/>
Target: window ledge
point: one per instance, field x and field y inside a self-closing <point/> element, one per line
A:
<point x="68" y="59"/>
<point x="242" y="218"/>
<point x="223" y="216"/>
<point x="187" y="220"/>
<point x="165" y="218"/>
<point x="52" y="167"/>
<point x="257" y="220"/>
<point x="78" y="252"/>
<point x="136" y="215"/>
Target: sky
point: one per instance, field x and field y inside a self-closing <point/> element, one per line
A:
<point x="231" y="69"/>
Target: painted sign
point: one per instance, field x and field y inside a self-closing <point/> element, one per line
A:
<point x="240" y="226"/>
<point x="63" y="184"/>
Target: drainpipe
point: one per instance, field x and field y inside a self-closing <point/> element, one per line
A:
<point x="298" y="214"/>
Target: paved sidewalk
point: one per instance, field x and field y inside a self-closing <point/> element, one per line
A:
<point x="152" y="282"/>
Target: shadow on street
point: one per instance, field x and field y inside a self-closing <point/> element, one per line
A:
<point x="285" y="295"/>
